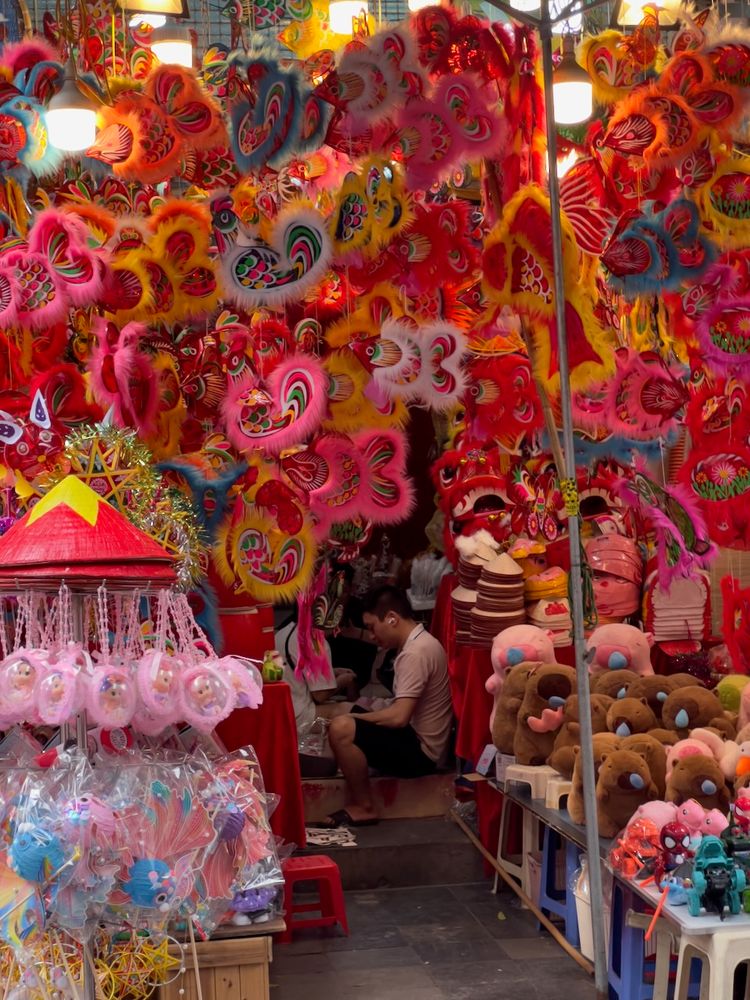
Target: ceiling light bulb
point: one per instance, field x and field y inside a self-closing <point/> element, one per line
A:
<point x="71" y="116"/>
<point x="173" y="45"/>
<point x="151" y="20"/>
<point x="341" y="14"/>
<point x="525" y="6"/>
<point x="630" y="13"/>
<point x="572" y="91"/>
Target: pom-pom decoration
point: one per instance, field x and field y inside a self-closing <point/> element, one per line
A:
<point x="645" y="395"/>
<point x="458" y="122"/>
<point x="673" y="515"/>
<point x="267" y="562"/>
<point x="662" y="252"/>
<point x="146" y="135"/>
<point x="263" y="272"/>
<point x="283" y="412"/>
<point x="416" y="363"/>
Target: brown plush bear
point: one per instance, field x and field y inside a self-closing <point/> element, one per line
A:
<point x="541" y="712"/>
<point x="613" y="683"/>
<point x="700" y="778"/>
<point x="630" y="715"/>
<point x="655" y="754"/>
<point x="506" y="709"/>
<point x="562" y="757"/>
<point x="686" y="680"/>
<point x="694" y="707"/>
<point x="666" y="737"/>
<point x="603" y="743"/>
<point x="623" y="784"/>
<point x="655" y="689"/>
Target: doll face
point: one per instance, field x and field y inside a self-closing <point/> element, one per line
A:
<point x="202" y="693"/>
<point x="113" y="691"/>
<point x="163" y="678"/>
<point x="55" y="688"/>
<point x="21" y="676"/>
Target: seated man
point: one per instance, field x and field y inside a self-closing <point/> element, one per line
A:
<point x="410" y="737"/>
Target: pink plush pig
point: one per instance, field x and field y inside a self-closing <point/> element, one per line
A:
<point x="514" y="645"/>
<point x="713" y="823"/>
<point x="620" y="647"/>
<point x="660" y="813"/>
<point x="692" y="815"/>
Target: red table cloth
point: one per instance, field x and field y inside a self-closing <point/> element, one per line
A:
<point x="272" y="732"/>
<point x="468" y="669"/>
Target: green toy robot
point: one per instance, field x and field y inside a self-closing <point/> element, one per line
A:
<point x="717" y="883"/>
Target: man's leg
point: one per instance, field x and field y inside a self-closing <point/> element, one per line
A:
<point x="330" y="709"/>
<point x="353" y="764"/>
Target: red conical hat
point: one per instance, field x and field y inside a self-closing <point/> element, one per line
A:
<point x="72" y="534"/>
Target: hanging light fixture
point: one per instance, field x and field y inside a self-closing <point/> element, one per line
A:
<point x="341" y="15"/>
<point x="154" y="13"/>
<point x="630" y="13"/>
<point x="572" y="92"/>
<point x="173" y="44"/>
<point x="152" y="21"/>
<point x="419" y="4"/>
<point x="71" y="116"/>
<point x="525" y="6"/>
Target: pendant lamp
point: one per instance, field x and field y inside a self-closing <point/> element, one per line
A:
<point x="572" y="92"/>
<point x="152" y="20"/>
<point x="630" y="13"/>
<point x="525" y="6"/>
<point x="71" y="116"/>
<point x="173" y="44"/>
<point x="341" y="15"/>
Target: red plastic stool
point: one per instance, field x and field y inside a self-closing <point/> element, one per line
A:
<point x="330" y="903"/>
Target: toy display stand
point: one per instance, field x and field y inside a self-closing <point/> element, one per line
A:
<point x="719" y="944"/>
<point x="233" y="965"/>
<point x="558" y="788"/>
<point x="82" y="551"/>
<point x="537" y="778"/>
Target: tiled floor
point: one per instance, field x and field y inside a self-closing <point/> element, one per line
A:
<point x="430" y="943"/>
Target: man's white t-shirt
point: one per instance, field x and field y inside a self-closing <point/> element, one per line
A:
<point x="304" y="706"/>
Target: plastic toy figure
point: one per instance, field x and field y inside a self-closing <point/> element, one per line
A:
<point x="741" y="810"/>
<point x="675" y="850"/>
<point x="717" y="883"/>
<point x="736" y="836"/>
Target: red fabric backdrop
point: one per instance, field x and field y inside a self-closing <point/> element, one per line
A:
<point x="468" y="670"/>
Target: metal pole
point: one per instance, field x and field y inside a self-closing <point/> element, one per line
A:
<point x="574" y="535"/>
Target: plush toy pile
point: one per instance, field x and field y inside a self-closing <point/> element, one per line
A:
<point x="659" y="741"/>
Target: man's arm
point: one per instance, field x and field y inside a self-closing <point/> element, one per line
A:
<point x="396" y="716"/>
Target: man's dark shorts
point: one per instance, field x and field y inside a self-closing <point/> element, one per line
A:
<point x="395" y="752"/>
